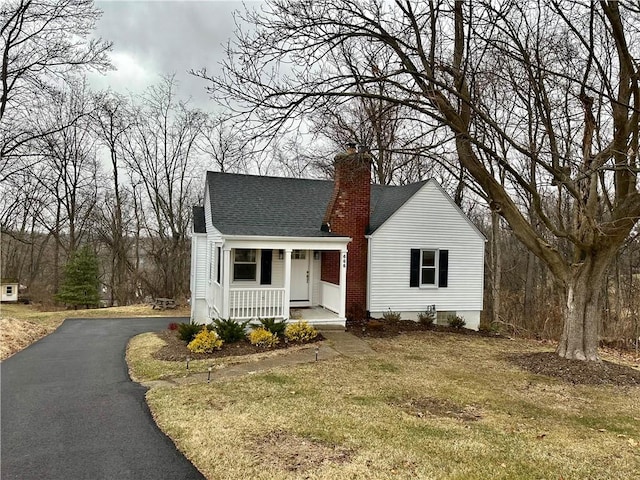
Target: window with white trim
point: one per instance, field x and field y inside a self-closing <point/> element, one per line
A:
<point x="244" y="264"/>
<point x="9" y="290"/>
<point x="428" y="267"/>
<point x="298" y="255"/>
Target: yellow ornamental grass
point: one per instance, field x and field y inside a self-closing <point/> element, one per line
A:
<point x="263" y="338"/>
<point x="205" y="342"/>
<point x="300" y="331"/>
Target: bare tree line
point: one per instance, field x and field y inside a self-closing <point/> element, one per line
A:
<point x="526" y="112"/>
<point x="540" y="101"/>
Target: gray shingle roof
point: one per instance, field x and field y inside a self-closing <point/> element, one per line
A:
<point x="289" y="207"/>
<point x="386" y="200"/>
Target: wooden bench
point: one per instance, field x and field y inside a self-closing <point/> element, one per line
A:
<point x="164" y="303"/>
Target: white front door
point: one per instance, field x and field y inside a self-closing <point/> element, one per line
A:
<point x="300" y="278"/>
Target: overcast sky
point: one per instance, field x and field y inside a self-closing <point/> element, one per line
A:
<point x="151" y="38"/>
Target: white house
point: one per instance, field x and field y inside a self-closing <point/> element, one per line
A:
<point x="9" y="290"/>
<point x="263" y="246"/>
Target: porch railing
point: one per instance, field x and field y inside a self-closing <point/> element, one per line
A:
<point x="247" y="303"/>
<point x="330" y="296"/>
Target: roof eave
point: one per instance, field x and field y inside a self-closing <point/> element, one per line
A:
<point x="280" y="238"/>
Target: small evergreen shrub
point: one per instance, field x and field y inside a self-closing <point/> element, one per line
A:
<point x="262" y="337"/>
<point x="229" y="330"/>
<point x="427" y="318"/>
<point x="205" y="342"/>
<point x="173" y="326"/>
<point x="277" y="327"/>
<point x="187" y="331"/>
<point x="80" y="285"/>
<point x="391" y="317"/>
<point x="456" y="321"/>
<point x="300" y="332"/>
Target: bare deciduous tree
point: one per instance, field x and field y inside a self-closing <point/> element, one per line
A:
<point x="545" y="93"/>
<point x="160" y="156"/>
<point x="43" y="43"/>
<point x="111" y="120"/>
<point x="223" y="143"/>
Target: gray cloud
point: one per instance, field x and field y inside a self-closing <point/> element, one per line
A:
<point x="152" y="38"/>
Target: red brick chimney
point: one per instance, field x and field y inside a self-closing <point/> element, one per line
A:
<point x="348" y="214"/>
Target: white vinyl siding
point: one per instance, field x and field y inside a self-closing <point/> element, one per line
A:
<point x="199" y="246"/>
<point x="315" y="275"/>
<point x="199" y="279"/>
<point x="277" y="270"/>
<point x="427" y="221"/>
<point x="9" y="292"/>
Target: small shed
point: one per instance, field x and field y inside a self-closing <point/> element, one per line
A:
<point x="9" y="290"/>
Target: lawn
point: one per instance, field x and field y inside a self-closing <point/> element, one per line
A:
<point x="427" y="405"/>
<point x="21" y="325"/>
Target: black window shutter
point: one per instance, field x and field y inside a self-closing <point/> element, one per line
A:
<point x="443" y="268"/>
<point x="414" y="276"/>
<point x="265" y="267"/>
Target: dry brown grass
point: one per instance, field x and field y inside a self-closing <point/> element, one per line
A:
<point x="427" y="406"/>
<point x="24" y="324"/>
<point x="16" y="335"/>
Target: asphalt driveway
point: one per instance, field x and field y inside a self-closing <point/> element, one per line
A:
<point x="69" y="410"/>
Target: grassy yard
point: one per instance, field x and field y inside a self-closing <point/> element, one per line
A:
<point x="428" y="405"/>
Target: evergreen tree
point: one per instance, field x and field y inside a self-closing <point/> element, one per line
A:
<point x="80" y="285"/>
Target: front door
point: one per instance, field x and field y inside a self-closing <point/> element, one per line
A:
<point x="300" y="278"/>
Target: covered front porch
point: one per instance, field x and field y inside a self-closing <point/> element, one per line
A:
<point x="268" y="278"/>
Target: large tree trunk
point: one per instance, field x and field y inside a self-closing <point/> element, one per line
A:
<point x="580" y="335"/>
<point x="496" y="268"/>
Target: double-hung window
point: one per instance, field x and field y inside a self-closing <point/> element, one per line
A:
<point x="244" y="264"/>
<point x="428" y="267"/>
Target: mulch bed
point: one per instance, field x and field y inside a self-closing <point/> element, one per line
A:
<point x="377" y="328"/>
<point x="176" y="350"/>
<point x="576" y="371"/>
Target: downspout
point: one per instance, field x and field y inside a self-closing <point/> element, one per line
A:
<point x="192" y="283"/>
<point x="368" y="306"/>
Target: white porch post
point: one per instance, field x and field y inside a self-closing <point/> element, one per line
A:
<point x="226" y="281"/>
<point x="287" y="282"/>
<point x="343" y="283"/>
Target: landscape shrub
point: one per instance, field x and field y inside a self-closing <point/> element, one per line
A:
<point x="173" y="326"/>
<point x="262" y="337"/>
<point x="187" y="331"/>
<point x="229" y="330"/>
<point x="300" y="332"/>
<point x="205" y="341"/>
<point x="456" y="321"/>
<point x="277" y="327"/>
<point x="427" y="318"/>
<point x="391" y="317"/>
